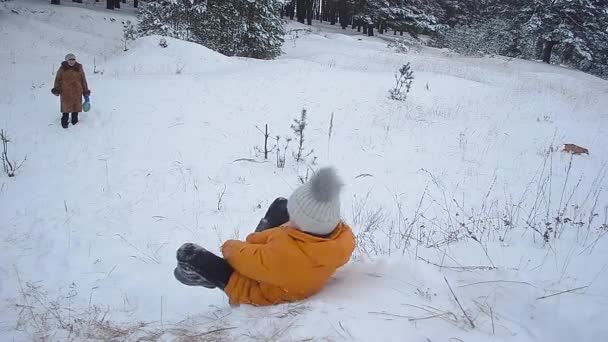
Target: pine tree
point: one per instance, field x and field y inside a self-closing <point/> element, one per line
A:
<point x="221" y="28"/>
<point x="577" y="28"/>
<point x="163" y="17"/>
<point x="263" y="35"/>
<point x="242" y="28"/>
<point x="171" y="18"/>
<point x="569" y="32"/>
<point x="413" y="16"/>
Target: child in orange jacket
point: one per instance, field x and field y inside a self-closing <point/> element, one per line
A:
<point x="296" y="248"/>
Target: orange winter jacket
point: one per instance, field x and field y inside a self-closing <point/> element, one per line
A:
<point x="284" y="264"/>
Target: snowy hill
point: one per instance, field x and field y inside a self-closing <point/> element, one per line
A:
<point x="459" y="192"/>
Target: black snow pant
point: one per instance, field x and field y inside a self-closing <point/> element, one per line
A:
<point x="196" y="266"/>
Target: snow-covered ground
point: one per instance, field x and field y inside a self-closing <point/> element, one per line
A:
<point x="466" y="173"/>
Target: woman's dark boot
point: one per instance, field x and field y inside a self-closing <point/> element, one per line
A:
<point x="64" y="120"/>
<point x="74" y="118"/>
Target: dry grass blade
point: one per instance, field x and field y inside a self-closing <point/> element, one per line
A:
<point x="499" y="281"/>
<point x="467" y="268"/>
<point x="40" y="318"/>
<point x="492" y="317"/>
<point x="562" y="292"/>
<point x="429" y="317"/>
<point x="388" y="314"/>
<point x="457" y="301"/>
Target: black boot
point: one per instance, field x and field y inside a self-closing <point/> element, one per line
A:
<point x="198" y="266"/>
<point x="184" y="273"/>
<point x="64" y="120"/>
<point x="74" y="118"/>
<point x="276" y="215"/>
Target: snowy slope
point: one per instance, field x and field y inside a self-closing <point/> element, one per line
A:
<point x="90" y="224"/>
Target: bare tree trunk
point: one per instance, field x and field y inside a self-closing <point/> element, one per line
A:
<point x="309" y="12"/>
<point x="344" y="14"/>
<point x="135" y="3"/>
<point x="117" y="4"/>
<point x="301" y="11"/>
<point x="547" y="49"/>
<point x="110" y="4"/>
<point x="55" y="2"/>
<point x="291" y="10"/>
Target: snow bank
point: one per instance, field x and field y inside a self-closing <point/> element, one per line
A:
<point x="146" y="57"/>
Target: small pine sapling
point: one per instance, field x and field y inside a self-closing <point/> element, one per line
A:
<point x="403" y="82"/>
<point x="128" y="32"/>
<point x="298" y="127"/>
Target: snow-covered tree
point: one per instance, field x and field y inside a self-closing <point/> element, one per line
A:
<point x="221" y="28"/>
<point x="263" y="34"/>
<point x="249" y="28"/>
<point x="573" y="32"/>
<point x="172" y="18"/>
<point x="561" y="22"/>
<point x="491" y="36"/>
<point x="413" y="16"/>
<point x="242" y="28"/>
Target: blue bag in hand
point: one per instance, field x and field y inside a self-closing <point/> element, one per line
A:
<point x="86" y="106"/>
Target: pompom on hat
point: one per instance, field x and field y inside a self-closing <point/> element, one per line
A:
<point x="315" y="206"/>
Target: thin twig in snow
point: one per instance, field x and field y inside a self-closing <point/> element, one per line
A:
<point x="220" y="197"/>
<point x="112" y="270"/>
<point x="248" y="160"/>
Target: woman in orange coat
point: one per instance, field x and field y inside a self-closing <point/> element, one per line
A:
<point x="295" y="250"/>
<point x="71" y="85"/>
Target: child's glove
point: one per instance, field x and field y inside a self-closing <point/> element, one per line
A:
<point x="86" y="98"/>
<point x="55" y="91"/>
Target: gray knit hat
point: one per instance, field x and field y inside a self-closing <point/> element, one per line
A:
<point x="315" y="206"/>
<point x="69" y="56"/>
